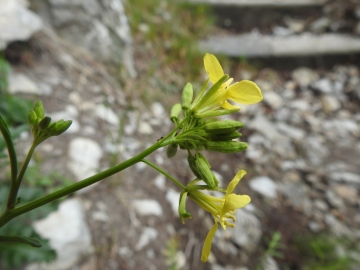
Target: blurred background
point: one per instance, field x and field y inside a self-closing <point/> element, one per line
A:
<point x="115" y="68"/>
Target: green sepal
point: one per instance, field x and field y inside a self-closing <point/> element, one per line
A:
<point x="204" y="170"/>
<point x="32" y="117"/>
<point x="224" y="137"/>
<point x="182" y="205"/>
<point x="175" y="112"/>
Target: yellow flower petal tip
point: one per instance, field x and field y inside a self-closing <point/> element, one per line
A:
<point x="213" y="67"/>
<point x="245" y="92"/>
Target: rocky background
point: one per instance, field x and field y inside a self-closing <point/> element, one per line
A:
<point x="303" y="159"/>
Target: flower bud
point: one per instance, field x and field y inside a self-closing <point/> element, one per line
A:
<point x="203" y="168"/>
<point x="191" y="161"/>
<point x="226" y="147"/>
<point x="187" y="96"/>
<point x="39" y="110"/>
<point x="175" y="112"/>
<point x="32" y="117"/>
<point x="222" y="127"/>
<point x="44" y="123"/>
<point x="59" y="127"/>
<point x="224" y="137"/>
<point x="171" y="150"/>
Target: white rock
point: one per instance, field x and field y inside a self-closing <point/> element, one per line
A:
<point x="107" y="114"/>
<point x="172" y="197"/>
<point x="315" y="150"/>
<point x="264" y="185"/>
<point x="159" y="181"/>
<point x="247" y="231"/>
<point x="330" y="103"/>
<point x="291" y="131"/>
<point x="20" y="83"/>
<point x="16" y="22"/>
<point x="145" y="128"/>
<point x="148" y="235"/>
<point x="264" y="126"/>
<point x="304" y="76"/>
<point x="158" y="110"/>
<point x="67" y="232"/>
<point x="147" y="207"/>
<point x="84" y="157"/>
<point x="323" y="85"/>
<point x="273" y="99"/>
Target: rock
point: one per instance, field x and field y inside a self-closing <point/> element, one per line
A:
<point x="274" y="100"/>
<point x="304" y="76"/>
<point x="330" y="103"/>
<point x="346" y="192"/>
<point x="158" y="110"/>
<point x="100" y="26"/>
<point x="67" y="232"/>
<point x="148" y="235"/>
<point x="269" y="263"/>
<point x="323" y="85"/>
<point x="334" y="200"/>
<point x="247" y="232"/>
<point x="20" y="83"/>
<point x="337" y="227"/>
<point x="315" y="150"/>
<point x="267" y="128"/>
<point x="159" y="181"/>
<point x="294" y="133"/>
<point x="172" y="197"/>
<point x="265" y="186"/>
<point x="17" y="22"/>
<point x="320" y="25"/>
<point x="107" y="114"/>
<point x="343" y="176"/>
<point x="145" y="128"/>
<point x="147" y="207"/>
<point x="297" y="194"/>
<point x="84" y="157"/>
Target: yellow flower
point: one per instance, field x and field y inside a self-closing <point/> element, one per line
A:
<point x="245" y="92"/>
<point x="222" y="209"/>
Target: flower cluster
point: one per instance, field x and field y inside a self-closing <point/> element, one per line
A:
<point x="197" y="129"/>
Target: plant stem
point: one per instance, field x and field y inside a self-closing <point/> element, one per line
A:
<point x="13" y="162"/>
<point x="176" y="182"/>
<point x="9" y="215"/>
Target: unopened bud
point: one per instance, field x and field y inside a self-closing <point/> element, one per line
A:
<point x="226" y="147"/>
<point x="59" y="127"/>
<point x="224" y="137"/>
<point x="39" y="110"/>
<point x="203" y="168"/>
<point x="192" y="165"/>
<point x="175" y="112"/>
<point x="44" y="123"/>
<point x="32" y="117"/>
<point x="222" y="127"/>
<point x="187" y="96"/>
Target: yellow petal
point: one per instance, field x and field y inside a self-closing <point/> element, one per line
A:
<point x="245" y="92"/>
<point x="226" y="105"/>
<point x="208" y="241"/>
<point x="234" y="201"/>
<point x="213" y="68"/>
<point x="235" y="181"/>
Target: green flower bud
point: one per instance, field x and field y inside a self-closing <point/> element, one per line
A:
<point x="224" y="137"/>
<point x="187" y="96"/>
<point x="39" y="110"/>
<point x="175" y="112"/>
<point x="171" y="150"/>
<point x="191" y="161"/>
<point x="222" y="127"/>
<point x="203" y="168"/>
<point x="32" y="117"/>
<point x="44" y="123"/>
<point x="59" y="127"/>
<point x="226" y="147"/>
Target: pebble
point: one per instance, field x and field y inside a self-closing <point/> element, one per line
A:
<point x="148" y="234"/>
<point x="273" y="99"/>
<point x="265" y="186"/>
<point x="304" y="76"/>
<point x="172" y="197"/>
<point x="84" y="157"/>
<point x="147" y="207"/>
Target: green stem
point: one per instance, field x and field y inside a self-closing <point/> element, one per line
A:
<point x="9" y="215"/>
<point x="13" y="163"/>
<point x="176" y="182"/>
